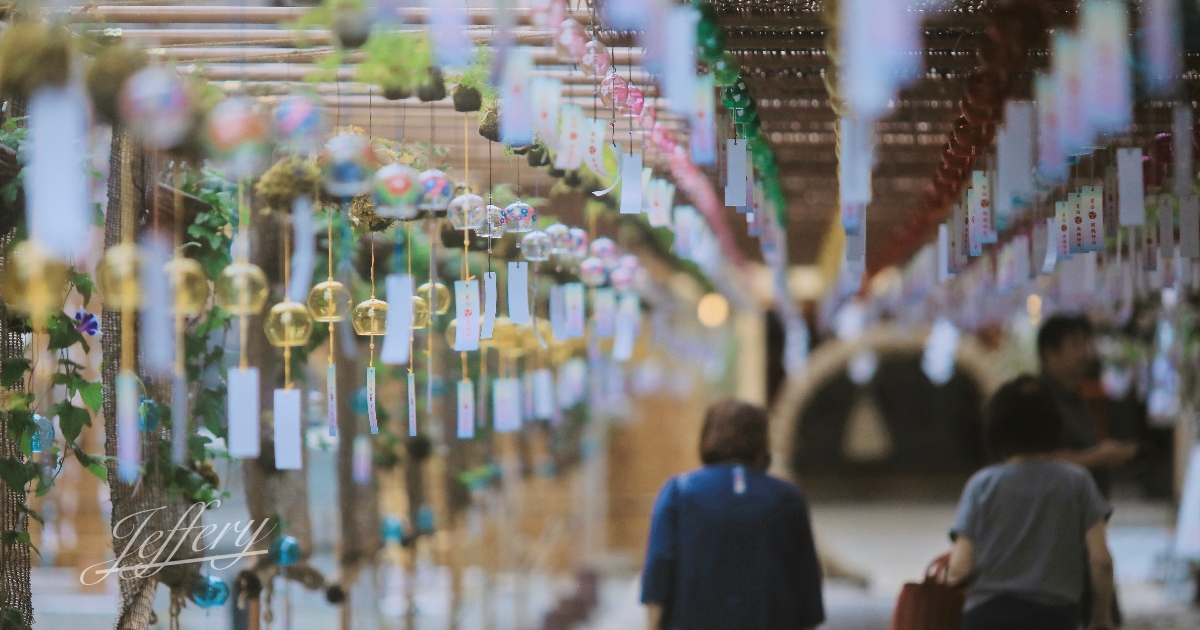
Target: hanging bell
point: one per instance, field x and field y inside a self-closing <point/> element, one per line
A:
<point x="736" y="96"/>
<point x="710" y="40"/>
<point x="495" y="224"/>
<point x="348" y="164"/>
<point x="726" y="71"/>
<point x="420" y="315"/>
<point x="467" y="212"/>
<point x="119" y="277"/>
<point x="521" y="217"/>
<point x="329" y="301"/>
<point x="392" y="529"/>
<point x="560" y="236"/>
<point x="33" y="281"/>
<point x="592" y="272"/>
<point x="242" y="289"/>
<point x="396" y="191"/>
<point x="239" y="137"/>
<point x="189" y="285"/>
<point x="536" y="246"/>
<point x="43" y="437"/>
<point x="370" y="318"/>
<point x="435" y="189"/>
<point x="209" y="591"/>
<point x="284" y="551"/>
<point x="595" y="62"/>
<point x="441" y="296"/>
<point x="288" y="325"/>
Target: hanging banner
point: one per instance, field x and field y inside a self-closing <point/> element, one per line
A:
<point x="129" y="430"/>
<point x="543" y="394"/>
<point x="974" y="224"/>
<point x="1131" y="192"/>
<point x="466" y="409"/>
<point x="1181" y="139"/>
<point x="288" y="431"/>
<point x="516" y="124"/>
<point x="1093" y="199"/>
<point x="1166" y="226"/>
<point x="1074" y="133"/>
<point x="1075" y="227"/>
<point x="371" y="417"/>
<point x="506" y="405"/>
<point x="604" y="311"/>
<point x="625" y="326"/>
<point x="1107" y="80"/>
<point x="631" y="187"/>
<point x="546" y="96"/>
<point x="398" y="339"/>
<point x="331" y="397"/>
<point x="1042" y="247"/>
<point x="593" y="156"/>
<point x="1062" y="238"/>
<point x="661" y="201"/>
<point x="243" y="412"/>
<point x="1014" y="160"/>
<point x="1189" y="226"/>
<point x="57" y="211"/>
<point x="748" y="204"/>
<point x="558" y="316"/>
<point x="702" y="141"/>
<point x="518" y="292"/>
<point x="1021" y="269"/>
<point x="735" y="172"/>
<point x="1150" y="248"/>
<point x="981" y="183"/>
<point x="575" y="310"/>
<point x="412" y="404"/>
<point x="679" y="75"/>
<point x="466" y="301"/>
<point x="489" y="305"/>
<point x="572" y="144"/>
<point x="1051" y="159"/>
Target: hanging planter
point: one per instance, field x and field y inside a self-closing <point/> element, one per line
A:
<point x="489" y="124"/>
<point x="466" y="98"/>
<point x="433" y="88"/>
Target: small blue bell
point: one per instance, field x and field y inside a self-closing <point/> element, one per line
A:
<point x="392" y="529"/>
<point x="210" y="591"/>
<point x="149" y="414"/>
<point x="285" y="551"/>
<point x="44" y="436"/>
<point x="360" y="400"/>
<point x="425" y="520"/>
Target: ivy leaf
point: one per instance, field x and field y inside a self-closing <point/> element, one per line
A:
<point x="92" y="394"/>
<point x="83" y="284"/>
<point x="62" y="332"/>
<point x="12" y="371"/>
<point x="17" y="474"/>
<point x="12" y="537"/>
<point x="92" y="463"/>
<point x="72" y="419"/>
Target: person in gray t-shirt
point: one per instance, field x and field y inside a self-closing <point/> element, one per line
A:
<point x="1030" y="529"/>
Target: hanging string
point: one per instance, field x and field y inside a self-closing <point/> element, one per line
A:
<point x="372" y="336"/>
<point x="329" y="268"/>
<point x="287" y="269"/>
<point x="243" y="246"/>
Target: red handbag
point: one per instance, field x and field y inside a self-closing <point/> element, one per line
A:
<point x="932" y="604"/>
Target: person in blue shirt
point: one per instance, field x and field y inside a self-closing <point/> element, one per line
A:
<point x="731" y="548"/>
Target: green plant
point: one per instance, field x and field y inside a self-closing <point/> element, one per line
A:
<point x="394" y="60"/>
<point x="477" y="76"/>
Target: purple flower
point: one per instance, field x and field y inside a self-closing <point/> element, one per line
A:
<point x="86" y="323"/>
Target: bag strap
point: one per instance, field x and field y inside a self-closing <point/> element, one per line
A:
<point x="938" y="569"/>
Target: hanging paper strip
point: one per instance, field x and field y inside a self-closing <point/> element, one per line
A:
<point x="1189" y="226"/>
<point x="1051" y="160"/>
<point x="1130" y="189"/>
<point x="982" y="184"/>
<point x="179" y="419"/>
<point x="331" y="397"/>
<point x="856" y="250"/>
<point x="702" y="141"/>
<point x="57" y="210"/>
<point x="572" y="144"/>
<point x="974" y="224"/>
<point x="961" y="238"/>
<point x="1161" y="53"/>
<point x="631" y="188"/>
<point x="593" y="156"/>
<point x="546" y="96"/>
<point x="953" y="234"/>
<point x="1166" y="226"/>
<point x="371" y="401"/>
<point x="412" y="404"/>
<point x="304" y="249"/>
<point x="516" y="124"/>
<point x="1111" y="221"/>
<point x="506" y="405"/>
<point x="662" y="198"/>
<point x="398" y="339"/>
<point x="604" y="310"/>
<point x="1014" y="160"/>
<point x="1038" y="240"/>
<point x="735" y="172"/>
<point x="1051" y="248"/>
<point x="1075" y="227"/>
<point x="1074" y="133"/>
<point x="466" y="298"/>
<point x="1062" y="237"/>
<point x="856" y="159"/>
<point x="360" y="463"/>
<point x="129" y="431"/>
<point x="625" y="326"/>
<point x="575" y="310"/>
<point x="1021" y="271"/>
<point x="647" y="178"/>
<point x="502" y="39"/>
<point x="289" y="438"/>
<point x="157" y="322"/>
<point x="518" y="292"/>
<point x="943" y="253"/>
<point x="243" y="412"/>
<point x="1149" y="248"/>
<point x="625" y="15"/>
<point x="543" y="394"/>
<point x="1107" y="85"/>
<point x="679" y="75"/>
<point x="558" y="315"/>
<point x="449" y="38"/>
<point x="1181" y="138"/>
<point x="489" y="306"/>
<point x="527" y="396"/>
<point x="466" y="409"/>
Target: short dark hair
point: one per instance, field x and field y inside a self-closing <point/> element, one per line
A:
<point x="735" y="432"/>
<point x="1059" y="327"/>
<point x="1023" y="419"/>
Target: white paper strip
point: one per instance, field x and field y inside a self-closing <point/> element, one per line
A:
<point x="179" y="419"/>
<point x="662" y="200"/>
<point x="289" y="440"/>
<point x="1075" y="233"/>
<point x="1051" y="160"/>
<point x="954" y="240"/>
<point x="466" y="302"/>
<point x="1062" y="238"/>
<point x="412" y="404"/>
<point x="398" y="339"/>
<point x="981" y="182"/>
<point x="371" y="417"/>
<point x="1020" y="244"/>
<point x="1107" y="85"/>
<point x="331" y="397"/>
<point x="543" y="394"/>
<point x="857" y="157"/>
<point x="546" y="96"/>
<point x="1093" y="209"/>
<point x="516" y="124"/>
<point x="489" y="305"/>
<point x="604" y="311"/>
<point x="1189" y="226"/>
<point x="466" y="409"/>
<point x="1067" y="60"/>
<point x="735" y="172"/>
<point x="1130" y="190"/>
<point x="157" y="322"/>
<point x="679" y="75"/>
<point x="625" y="331"/>
<point x="57" y="211"/>
<point x="518" y="292"/>
<point x="506" y="405"/>
<point x="448" y="28"/>
<point x="129" y="430"/>
<point x="304" y="249"/>
<point x="243" y="412"/>
<point x="702" y="141"/>
<point x="1111" y="222"/>
<point x="631" y="187"/>
<point x="1166" y="226"/>
<point x="360" y="462"/>
<point x="575" y="310"/>
<point x="1040" y="241"/>
<point x="593" y="156"/>
<point x="558" y="315"/>
<point x="1181" y="136"/>
<point x="943" y="253"/>
<point x="572" y="144"/>
<point x="1161" y="32"/>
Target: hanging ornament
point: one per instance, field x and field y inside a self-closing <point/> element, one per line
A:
<point x="441" y="297"/>
<point x="736" y="96"/>
<point x="435" y="189"/>
<point x="710" y="39"/>
<point x="239" y="137"/>
<point x="570" y="41"/>
<point x="425" y="521"/>
<point x="348" y="162"/>
<point x="495" y="224"/>
<point x="392" y="529"/>
<point x="467" y="212"/>
<point x="43" y="437"/>
<point x="560" y="239"/>
<point x="536" y="246"/>
<point x="189" y="284"/>
<point x="726" y="70"/>
<point x="592" y="272"/>
<point x="351" y="27"/>
<point x="420" y="312"/>
<point x="149" y="414"/>
<point x="284" y="551"/>
<point x="595" y="61"/>
<point x="396" y="191"/>
<point x="242" y="289"/>
<point x="299" y="124"/>
<point x="605" y="249"/>
<point x="621" y="278"/>
<point x="578" y="239"/>
<point x="155" y="105"/>
<point x="635" y="101"/>
<point x="34" y="281"/>
<point x="370" y="318"/>
<point x="614" y="89"/>
<point x="288" y="325"/>
<point x="329" y="301"/>
<point x="209" y="591"/>
<point x="522" y="217"/>
<point x="119" y="276"/>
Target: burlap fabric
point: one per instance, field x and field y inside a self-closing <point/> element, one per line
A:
<point x="14" y="560"/>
